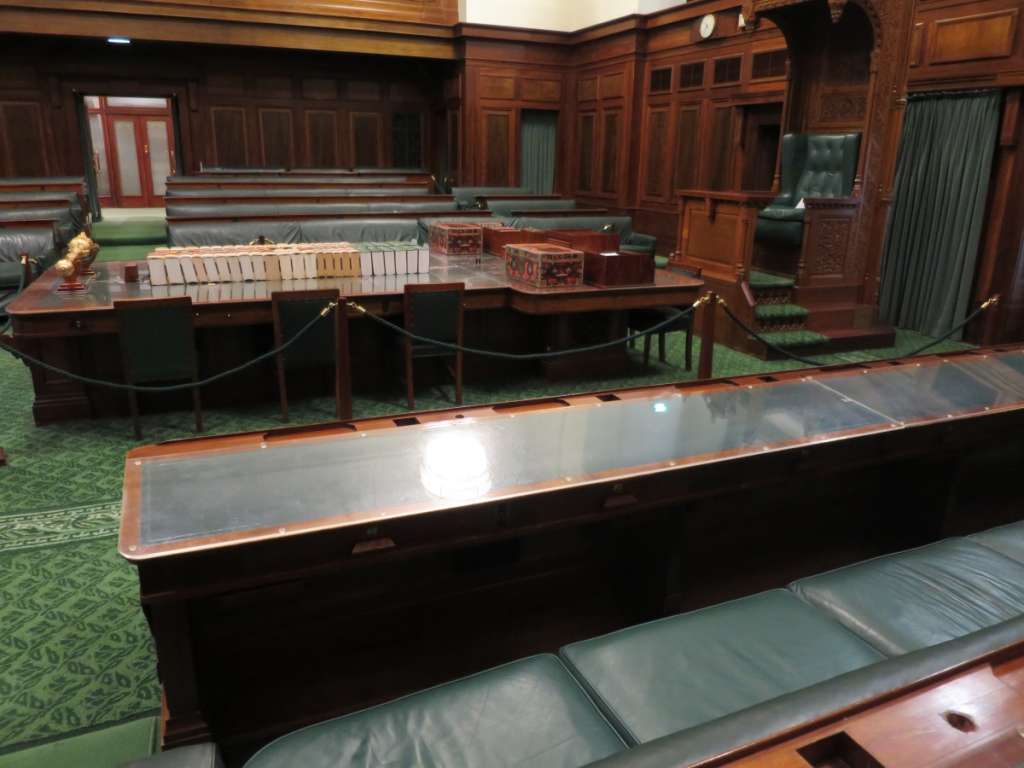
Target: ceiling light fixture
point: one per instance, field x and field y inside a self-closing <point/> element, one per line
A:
<point x="119" y="40"/>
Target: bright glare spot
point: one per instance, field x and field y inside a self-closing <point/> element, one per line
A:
<point x="119" y="40"/>
<point x="455" y="467"/>
<point x="660" y="407"/>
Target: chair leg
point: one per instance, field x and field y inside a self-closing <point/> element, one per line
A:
<point x="410" y="390"/>
<point x="282" y="387"/>
<point x="197" y="407"/>
<point x="133" y="406"/>
<point x="661" y="346"/>
<point x="458" y="378"/>
<point x="647" y="351"/>
<point x="689" y="347"/>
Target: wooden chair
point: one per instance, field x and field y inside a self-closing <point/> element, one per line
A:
<point x="641" y="319"/>
<point x="325" y="344"/>
<point x="435" y="312"/>
<point x="158" y="344"/>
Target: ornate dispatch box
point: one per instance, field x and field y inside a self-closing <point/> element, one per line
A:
<point x="497" y="236"/>
<point x="544" y="265"/>
<point x="612" y="268"/>
<point x="454" y="239"/>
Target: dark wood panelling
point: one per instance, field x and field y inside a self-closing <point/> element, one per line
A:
<point x="657" y="135"/>
<point x="319" y="89"/>
<point x="23" y="139"/>
<point x="610" y="140"/>
<point x="230" y="140"/>
<point x="363" y="90"/>
<point x="979" y="36"/>
<point x="497" y="148"/>
<point x="367" y="146"/>
<point x="540" y="90"/>
<point x="720" y="154"/>
<point x="687" y="165"/>
<point x="585" y="144"/>
<point x="586" y="89"/>
<point x="492" y="87"/>
<point x="612" y="85"/>
<point x="406" y="140"/>
<point x="321" y="138"/>
<point x="276" y="138"/>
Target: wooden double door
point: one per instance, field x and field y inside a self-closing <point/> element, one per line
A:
<point x="133" y="151"/>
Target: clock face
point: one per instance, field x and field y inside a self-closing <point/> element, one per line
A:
<point x="707" y="26"/>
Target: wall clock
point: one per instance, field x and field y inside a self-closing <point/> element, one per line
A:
<point x="707" y="26"/>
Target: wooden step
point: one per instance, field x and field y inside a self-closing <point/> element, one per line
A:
<point x="839" y="340"/>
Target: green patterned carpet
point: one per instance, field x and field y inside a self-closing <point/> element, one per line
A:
<point x="75" y="653"/>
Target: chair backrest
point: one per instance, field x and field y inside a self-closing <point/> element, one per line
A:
<point x="158" y="340"/>
<point x="292" y="311"/>
<point x="435" y="311"/>
<point x="818" y="164"/>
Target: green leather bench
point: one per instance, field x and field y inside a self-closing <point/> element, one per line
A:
<point x="466" y="196"/>
<point x="62" y="220"/>
<point x="37" y="243"/>
<point x="685" y="688"/>
<point x="623" y="225"/>
<point x="184" y="210"/>
<point x="505" y="207"/>
<point x="312" y="231"/>
<point x="181" y="195"/>
<point x="911" y="600"/>
<point x="1007" y="540"/>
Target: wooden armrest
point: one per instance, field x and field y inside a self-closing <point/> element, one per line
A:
<point x="831" y="202"/>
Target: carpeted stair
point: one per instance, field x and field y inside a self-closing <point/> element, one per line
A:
<point x="129" y="240"/>
<point x="779" y="320"/>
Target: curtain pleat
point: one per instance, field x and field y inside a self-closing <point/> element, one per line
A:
<point x="537" y="150"/>
<point x="938" y="208"/>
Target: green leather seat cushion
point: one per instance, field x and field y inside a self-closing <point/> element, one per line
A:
<point x="675" y="673"/>
<point x="1007" y="540"/>
<point x="910" y="600"/>
<point x="527" y="713"/>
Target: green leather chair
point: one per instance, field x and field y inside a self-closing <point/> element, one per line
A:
<point x="433" y="311"/>
<point x="466" y="196"/>
<point x="158" y="345"/>
<point x="813" y="165"/>
<point x="324" y="345"/>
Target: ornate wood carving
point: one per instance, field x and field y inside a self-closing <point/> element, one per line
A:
<point x="831" y="243"/>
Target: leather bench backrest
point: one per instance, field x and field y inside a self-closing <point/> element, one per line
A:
<point x="272" y="192"/>
<point x="257" y="179"/>
<point x="466" y="196"/>
<point x="501" y="207"/>
<point x="230" y="232"/>
<point x="358" y="230"/>
<point x="623" y="225"/>
<point x="177" y="209"/>
<point x="22" y="180"/>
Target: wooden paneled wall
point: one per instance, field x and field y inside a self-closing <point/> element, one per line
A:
<point x="235" y="107"/>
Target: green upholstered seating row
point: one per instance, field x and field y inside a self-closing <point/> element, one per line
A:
<point x="229" y="170"/>
<point x="65" y="222"/>
<point x="505" y="207"/>
<point x="466" y="196"/>
<point x="190" y="209"/>
<point x="179" y="195"/>
<point x="623" y="225"/>
<point x="258" y="179"/>
<point x="685" y="688"/>
<point x="9" y="181"/>
<point x="811" y="166"/>
<point x="310" y="231"/>
<point x="38" y="243"/>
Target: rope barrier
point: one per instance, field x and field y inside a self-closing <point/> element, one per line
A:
<point x="30" y="360"/>
<point x="679" y="314"/>
<point x="21" y="287"/>
<point x="819" y="364"/>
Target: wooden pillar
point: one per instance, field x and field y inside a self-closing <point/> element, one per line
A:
<point x="707" y="337"/>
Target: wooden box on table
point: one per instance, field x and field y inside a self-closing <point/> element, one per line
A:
<point x="610" y="268"/>
<point x="454" y="239"/>
<point x="544" y="265"/>
<point x="586" y="240"/>
<point x="497" y="236"/>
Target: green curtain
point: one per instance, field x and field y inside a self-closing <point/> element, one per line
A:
<point x="538" y="129"/>
<point x="938" y="208"/>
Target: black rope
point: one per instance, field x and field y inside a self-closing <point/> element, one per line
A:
<point x="30" y="360"/>
<point x="678" y="315"/>
<point x="21" y="287"/>
<point x="819" y="364"/>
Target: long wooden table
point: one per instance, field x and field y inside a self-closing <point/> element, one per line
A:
<point x="77" y="332"/>
<point x="293" y="574"/>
